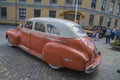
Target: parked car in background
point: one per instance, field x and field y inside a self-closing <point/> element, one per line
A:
<point x="91" y="29"/>
<point x="58" y="42"/>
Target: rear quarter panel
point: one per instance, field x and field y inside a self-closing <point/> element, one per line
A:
<point x="63" y="56"/>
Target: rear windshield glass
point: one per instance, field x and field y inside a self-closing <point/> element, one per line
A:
<point x="77" y="29"/>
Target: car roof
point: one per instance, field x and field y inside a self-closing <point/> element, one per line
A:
<point x="48" y="19"/>
<point x="64" y="25"/>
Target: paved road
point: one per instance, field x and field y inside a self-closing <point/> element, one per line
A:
<point x="16" y="64"/>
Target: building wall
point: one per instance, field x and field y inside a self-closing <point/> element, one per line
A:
<point x="85" y="10"/>
<point x="11" y="13"/>
<point x="86" y="4"/>
<point x="96" y="20"/>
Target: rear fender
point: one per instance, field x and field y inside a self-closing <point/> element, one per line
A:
<point x="63" y="56"/>
<point x="51" y="54"/>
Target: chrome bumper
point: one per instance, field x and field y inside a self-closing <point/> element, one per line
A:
<point x="90" y="69"/>
<point x="94" y="65"/>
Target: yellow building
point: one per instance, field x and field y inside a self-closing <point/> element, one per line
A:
<point x="89" y="12"/>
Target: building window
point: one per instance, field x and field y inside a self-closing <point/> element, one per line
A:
<point x="79" y="2"/>
<point x="22" y="1"/>
<point x="101" y="21"/>
<point x="109" y="22"/>
<point x="118" y="9"/>
<point x="53" y="2"/>
<point x="3" y="0"/>
<point x="93" y="4"/>
<point x="91" y="20"/>
<point x="116" y="23"/>
<point x="103" y="5"/>
<point x="52" y="13"/>
<point x="3" y="12"/>
<point x="69" y="2"/>
<point x="111" y="9"/>
<point x="37" y="1"/>
<point x="37" y="13"/>
<point x="22" y="14"/>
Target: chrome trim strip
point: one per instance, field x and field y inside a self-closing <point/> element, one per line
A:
<point x="67" y="60"/>
<point x="92" y="68"/>
<point x="37" y="35"/>
<point x="52" y="39"/>
<point x="28" y="51"/>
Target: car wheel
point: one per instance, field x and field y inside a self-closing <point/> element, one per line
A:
<point x="9" y="42"/>
<point x="54" y="67"/>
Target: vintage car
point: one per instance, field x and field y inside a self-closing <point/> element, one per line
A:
<point x="58" y="42"/>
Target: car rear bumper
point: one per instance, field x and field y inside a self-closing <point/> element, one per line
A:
<point x="94" y="65"/>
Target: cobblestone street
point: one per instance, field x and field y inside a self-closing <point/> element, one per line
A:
<point x="16" y="64"/>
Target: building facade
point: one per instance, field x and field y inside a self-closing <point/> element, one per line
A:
<point x="89" y="12"/>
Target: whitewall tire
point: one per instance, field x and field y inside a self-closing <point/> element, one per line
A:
<point x="9" y="42"/>
<point x="54" y="67"/>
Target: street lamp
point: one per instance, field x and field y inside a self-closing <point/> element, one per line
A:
<point x="16" y="12"/>
<point x="76" y="8"/>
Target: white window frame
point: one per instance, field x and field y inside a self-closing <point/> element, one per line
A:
<point x="91" y="21"/>
<point x="22" y="2"/>
<point x="103" y="7"/>
<point x="23" y="13"/>
<point x="51" y="2"/>
<point x="35" y="2"/>
<point x="68" y="3"/>
<point x="39" y="10"/>
<point x="79" y="2"/>
<point x="112" y="5"/>
<point x="55" y="13"/>
<point x="92" y="4"/>
<point x="1" y="14"/>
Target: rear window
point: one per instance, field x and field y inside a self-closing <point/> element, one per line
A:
<point x="52" y="29"/>
<point x="78" y="30"/>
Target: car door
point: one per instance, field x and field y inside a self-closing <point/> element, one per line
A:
<point x="25" y="35"/>
<point x="38" y="38"/>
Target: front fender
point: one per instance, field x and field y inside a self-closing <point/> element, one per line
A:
<point x="64" y="56"/>
<point x="14" y="36"/>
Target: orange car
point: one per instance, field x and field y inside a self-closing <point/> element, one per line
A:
<point x="60" y="43"/>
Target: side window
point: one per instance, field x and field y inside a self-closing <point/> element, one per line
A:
<point x="52" y="29"/>
<point x="29" y="25"/>
<point x="39" y="26"/>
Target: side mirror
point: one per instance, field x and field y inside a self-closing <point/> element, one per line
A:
<point x="20" y="27"/>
